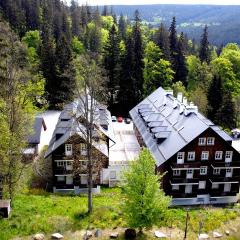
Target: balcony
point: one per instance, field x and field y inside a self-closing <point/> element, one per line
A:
<point x="176" y="194"/>
<point x="186" y="165"/>
<point x="62" y="171"/>
<point x="181" y="180"/>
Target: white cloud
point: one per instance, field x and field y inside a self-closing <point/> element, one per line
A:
<point x="138" y="2"/>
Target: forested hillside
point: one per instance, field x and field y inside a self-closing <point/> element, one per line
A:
<point x="223" y="21"/>
<point x="134" y="58"/>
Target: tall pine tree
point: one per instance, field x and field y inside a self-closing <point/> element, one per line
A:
<point x="204" y="51"/>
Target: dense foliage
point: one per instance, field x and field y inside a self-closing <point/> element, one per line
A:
<point x="136" y="58"/>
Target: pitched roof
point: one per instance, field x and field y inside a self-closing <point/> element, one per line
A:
<point x="34" y="138"/>
<point x="167" y="125"/>
<point x="68" y="126"/>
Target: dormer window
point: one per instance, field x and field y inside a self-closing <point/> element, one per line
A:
<point x="180" y="158"/>
<point x="68" y="149"/>
<point x="202" y="141"/>
<point x="210" y="141"/>
<point x="228" y="156"/>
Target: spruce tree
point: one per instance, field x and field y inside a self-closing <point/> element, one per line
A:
<point x="162" y="40"/>
<point x="215" y="97"/>
<point x="111" y="64"/>
<point x="181" y="70"/>
<point x="122" y="27"/>
<point x="204" y="52"/>
<point x="75" y="18"/>
<point x="126" y="85"/>
<point x="138" y="63"/>
<point x="225" y="116"/>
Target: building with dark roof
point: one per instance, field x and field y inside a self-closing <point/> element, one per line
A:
<point x="199" y="162"/>
<point x="68" y="149"/>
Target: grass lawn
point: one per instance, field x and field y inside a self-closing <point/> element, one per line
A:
<point x="37" y="211"/>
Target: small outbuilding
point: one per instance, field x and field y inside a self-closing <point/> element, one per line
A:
<point x="5" y="208"/>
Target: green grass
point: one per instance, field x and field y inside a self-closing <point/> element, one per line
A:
<point x="38" y="211"/>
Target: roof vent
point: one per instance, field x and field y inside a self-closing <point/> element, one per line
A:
<point x="169" y="92"/>
<point x="185" y="101"/>
<point x="190" y="109"/>
<point x="181" y="110"/>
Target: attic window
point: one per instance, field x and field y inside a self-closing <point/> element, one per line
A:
<point x="64" y="119"/>
<point x="68" y="149"/>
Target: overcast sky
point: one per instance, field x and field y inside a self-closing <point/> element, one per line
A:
<point x="135" y="2"/>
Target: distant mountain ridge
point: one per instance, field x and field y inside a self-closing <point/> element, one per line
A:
<point x="223" y="21"/>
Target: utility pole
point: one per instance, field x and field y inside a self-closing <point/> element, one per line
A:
<point x="186" y="225"/>
<point x="200" y="229"/>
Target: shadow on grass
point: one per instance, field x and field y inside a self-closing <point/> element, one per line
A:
<point x="81" y="216"/>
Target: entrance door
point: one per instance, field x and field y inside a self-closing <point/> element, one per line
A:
<point x="227" y="187"/>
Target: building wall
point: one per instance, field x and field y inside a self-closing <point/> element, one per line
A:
<point x="78" y="167"/>
<point x="219" y="145"/>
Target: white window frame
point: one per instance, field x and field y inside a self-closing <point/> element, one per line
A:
<point x="229" y="172"/>
<point x="202" y="141"/>
<point x="228" y="156"/>
<point x="83" y="147"/>
<point x="68" y="149"/>
<point x="61" y="163"/>
<point x="216" y="171"/>
<point x="205" y="168"/>
<point x="218" y="155"/>
<point x="210" y="141"/>
<point x="180" y="157"/>
<point x="175" y="187"/>
<point x="191" y="156"/>
<point x="62" y="179"/>
<point x="176" y="172"/>
<point x="189" y="174"/>
<point x="204" y="155"/>
<point x="202" y="185"/>
<point x="215" y="185"/>
<point x="113" y="175"/>
<point x="227" y="187"/>
<point x="83" y="163"/>
<point x="188" y="189"/>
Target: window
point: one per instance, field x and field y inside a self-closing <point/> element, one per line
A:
<point x="216" y="171"/>
<point x="61" y="163"/>
<point x="61" y="178"/>
<point x="229" y="172"/>
<point x="83" y="149"/>
<point x="68" y="149"/>
<point x="175" y="187"/>
<point x="210" y="141"/>
<point x="228" y="156"/>
<point x="218" y="155"/>
<point x="191" y="156"/>
<point x="204" y="155"/>
<point x="176" y="172"/>
<point x="180" y="157"/>
<point x="188" y="189"/>
<point x="202" y="141"/>
<point x="215" y="186"/>
<point x="189" y="173"/>
<point x="227" y="187"/>
<point x="83" y="162"/>
<point x="203" y="170"/>
<point x="202" y="185"/>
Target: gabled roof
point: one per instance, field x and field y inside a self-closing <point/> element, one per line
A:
<point x="68" y="126"/>
<point x="34" y="138"/>
<point x="162" y="117"/>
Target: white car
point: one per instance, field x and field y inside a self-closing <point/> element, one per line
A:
<point x="114" y="119"/>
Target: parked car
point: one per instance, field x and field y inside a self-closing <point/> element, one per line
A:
<point x="120" y="119"/>
<point x="114" y="119"/>
<point x="127" y="120"/>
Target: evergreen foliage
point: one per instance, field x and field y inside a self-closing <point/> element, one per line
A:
<point x="204" y="52"/>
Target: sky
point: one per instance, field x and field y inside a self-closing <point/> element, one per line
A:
<point x="138" y="2"/>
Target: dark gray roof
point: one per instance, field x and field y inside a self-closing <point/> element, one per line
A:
<point x="68" y="126"/>
<point x="34" y="138"/>
<point x="161" y="116"/>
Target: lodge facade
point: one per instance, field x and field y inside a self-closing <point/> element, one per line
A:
<point x="199" y="162"/>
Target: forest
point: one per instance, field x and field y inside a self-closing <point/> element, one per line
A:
<point x="45" y="43"/>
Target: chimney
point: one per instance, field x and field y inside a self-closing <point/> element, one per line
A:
<point x="190" y="109"/>
<point x="180" y="97"/>
<point x="185" y="101"/>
